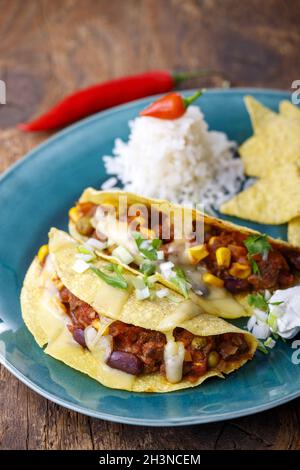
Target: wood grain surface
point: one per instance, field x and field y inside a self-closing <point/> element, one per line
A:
<point x="50" y="48"/>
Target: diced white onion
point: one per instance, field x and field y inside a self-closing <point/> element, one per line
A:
<point x="92" y="242"/>
<point x="166" y="269"/>
<point x="167" y="265"/>
<point x="160" y="255"/>
<point x="251" y="322"/>
<point x="162" y="293"/>
<point x="142" y="294"/>
<point x="174" y="353"/>
<point x="260" y="330"/>
<point x="152" y="279"/>
<point x="80" y="266"/>
<point x="138" y="282"/>
<point x="270" y="343"/>
<point x="145" y="245"/>
<point x="265" y="255"/>
<point x="262" y="316"/>
<point x="85" y="256"/>
<point x="90" y="335"/>
<point x="123" y="255"/>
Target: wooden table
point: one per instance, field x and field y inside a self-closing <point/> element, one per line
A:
<point x="50" y="48"/>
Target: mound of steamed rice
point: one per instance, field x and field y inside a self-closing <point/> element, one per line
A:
<point x="179" y="160"/>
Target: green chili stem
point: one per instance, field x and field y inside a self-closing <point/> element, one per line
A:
<point x="180" y="77"/>
<point x="190" y="99"/>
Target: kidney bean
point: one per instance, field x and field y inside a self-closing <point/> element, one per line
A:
<point x="295" y="260"/>
<point x="236" y="285"/>
<point x="78" y="335"/>
<point x="126" y="362"/>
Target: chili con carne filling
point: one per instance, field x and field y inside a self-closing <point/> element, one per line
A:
<point x="276" y="271"/>
<point x="146" y="347"/>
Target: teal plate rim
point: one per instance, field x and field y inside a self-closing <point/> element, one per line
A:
<point x="181" y="421"/>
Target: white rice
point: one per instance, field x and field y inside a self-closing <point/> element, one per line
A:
<point x="179" y="160"/>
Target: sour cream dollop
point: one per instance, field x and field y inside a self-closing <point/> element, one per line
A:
<point x="287" y="312"/>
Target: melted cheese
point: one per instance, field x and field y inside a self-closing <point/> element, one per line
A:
<point x="174" y="356"/>
<point x="219" y="302"/>
<point x="185" y="311"/>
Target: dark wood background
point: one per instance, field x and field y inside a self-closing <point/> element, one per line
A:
<point x="50" y="48"/>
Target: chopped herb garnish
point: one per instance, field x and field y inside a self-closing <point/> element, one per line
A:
<point x="148" y="268"/>
<point x="115" y="281"/>
<point x="276" y="303"/>
<point x="254" y="265"/>
<point x="180" y="281"/>
<point x="149" y="254"/>
<point x="138" y="238"/>
<point x="156" y="243"/>
<point x="257" y="244"/>
<point x="258" y="301"/>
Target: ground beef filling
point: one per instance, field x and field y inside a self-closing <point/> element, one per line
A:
<point x="146" y="347"/>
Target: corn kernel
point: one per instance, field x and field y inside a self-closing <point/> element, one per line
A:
<point x="42" y="253"/>
<point x="197" y="253"/>
<point x="74" y="214"/>
<point x="213" y="280"/>
<point x="96" y="323"/>
<point x="223" y="256"/>
<point x="212" y="241"/>
<point x="242" y="271"/>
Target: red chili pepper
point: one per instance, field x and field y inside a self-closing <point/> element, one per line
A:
<point x="170" y="106"/>
<point x="105" y="95"/>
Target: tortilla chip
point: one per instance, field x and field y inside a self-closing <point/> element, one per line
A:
<point x="276" y="138"/>
<point x="289" y="110"/>
<point x="259" y="114"/>
<point x="294" y="231"/>
<point x="277" y="143"/>
<point x="272" y="200"/>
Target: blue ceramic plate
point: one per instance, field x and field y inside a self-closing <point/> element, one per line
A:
<point x="35" y="194"/>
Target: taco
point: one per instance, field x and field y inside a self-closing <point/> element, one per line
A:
<point x="218" y="268"/>
<point x="94" y="321"/>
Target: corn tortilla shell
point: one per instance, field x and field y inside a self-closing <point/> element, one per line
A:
<point x="227" y="306"/>
<point x="38" y="308"/>
<point x="294" y="231"/>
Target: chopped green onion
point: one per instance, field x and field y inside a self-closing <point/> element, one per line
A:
<point x="270" y="342"/>
<point x="148" y="268"/>
<point x="115" y="281"/>
<point x="262" y="348"/>
<point x="156" y="243"/>
<point x="149" y="254"/>
<point x="122" y="254"/>
<point x="272" y="322"/>
<point x="84" y="250"/>
<point x="258" y="301"/>
<point x="254" y="265"/>
<point x="180" y="281"/>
